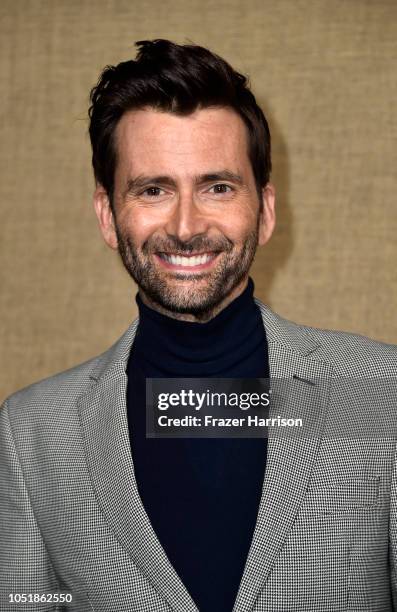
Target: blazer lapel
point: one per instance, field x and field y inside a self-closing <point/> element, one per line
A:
<point x="291" y="455"/>
<point x="105" y="429"/>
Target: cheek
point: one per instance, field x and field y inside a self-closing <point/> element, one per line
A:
<point x="237" y="227"/>
<point x="138" y="226"/>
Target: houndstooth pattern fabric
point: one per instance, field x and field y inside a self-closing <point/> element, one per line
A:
<point x="72" y="521"/>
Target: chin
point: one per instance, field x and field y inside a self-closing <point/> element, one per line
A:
<point x="183" y="302"/>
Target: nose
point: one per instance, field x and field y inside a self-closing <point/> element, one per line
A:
<point x="187" y="219"/>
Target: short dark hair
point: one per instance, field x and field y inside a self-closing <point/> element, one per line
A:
<point x="177" y="79"/>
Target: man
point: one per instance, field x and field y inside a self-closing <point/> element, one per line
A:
<point x="94" y="510"/>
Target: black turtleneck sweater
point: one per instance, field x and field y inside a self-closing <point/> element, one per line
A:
<point x="201" y="494"/>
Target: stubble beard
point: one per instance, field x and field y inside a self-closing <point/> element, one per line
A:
<point x="200" y="298"/>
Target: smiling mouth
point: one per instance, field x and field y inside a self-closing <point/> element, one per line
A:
<point x="188" y="261"/>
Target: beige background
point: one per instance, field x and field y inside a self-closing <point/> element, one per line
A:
<point x="324" y="72"/>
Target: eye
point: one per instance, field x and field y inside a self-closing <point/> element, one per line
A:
<point x="152" y="192"/>
<point x="221" y="188"/>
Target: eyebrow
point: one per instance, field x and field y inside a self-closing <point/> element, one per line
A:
<point x="141" y="181"/>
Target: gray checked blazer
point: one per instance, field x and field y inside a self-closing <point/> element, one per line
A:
<point x="72" y="521"/>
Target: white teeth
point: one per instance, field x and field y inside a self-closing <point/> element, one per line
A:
<point x="178" y="260"/>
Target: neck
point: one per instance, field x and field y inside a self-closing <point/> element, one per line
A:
<point x="200" y="318"/>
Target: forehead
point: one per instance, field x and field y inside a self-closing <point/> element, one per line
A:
<point x="149" y="140"/>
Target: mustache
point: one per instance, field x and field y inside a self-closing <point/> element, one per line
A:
<point x="194" y="245"/>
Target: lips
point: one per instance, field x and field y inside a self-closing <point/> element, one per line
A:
<point x="192" y="262"/>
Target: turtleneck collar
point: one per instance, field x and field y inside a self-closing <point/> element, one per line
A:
<point x="172" y="347"/>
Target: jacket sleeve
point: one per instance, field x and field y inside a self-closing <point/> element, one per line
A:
<point x="393" y="534"/>
<point x="25" y="566"/>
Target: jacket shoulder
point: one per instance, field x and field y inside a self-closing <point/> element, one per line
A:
<point x="60" y="391"/>
<point x="353" y="354"/>
<point x="69" y="383"/>
<point x="349" y="353"/>
<point x="352" y="346"/>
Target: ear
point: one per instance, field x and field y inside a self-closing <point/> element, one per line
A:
<point x="105" y="216"/>
<point x="268" y="214"/>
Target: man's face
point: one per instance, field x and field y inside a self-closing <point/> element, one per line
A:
<point x="187" y="214"/>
